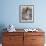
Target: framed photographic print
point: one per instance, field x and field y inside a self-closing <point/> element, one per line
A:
<point x="26" y="13"/>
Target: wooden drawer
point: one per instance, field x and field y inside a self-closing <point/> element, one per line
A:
<point x="13" y="44"/>
<point x="13" y="33"/>
<point x="33" y="40"/>
<point x="12" y="39"/>
<point x="27" y="39"/>
<point x="37" y="45"/>
<point x="37" y="39"/>
<point x="34" y="33"/>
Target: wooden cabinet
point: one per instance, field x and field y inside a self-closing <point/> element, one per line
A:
<point x="23" y="39"/>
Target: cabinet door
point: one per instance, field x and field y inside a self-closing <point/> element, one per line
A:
<point x="27" y="40"/>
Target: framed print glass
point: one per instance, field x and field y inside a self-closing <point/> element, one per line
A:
<point x="26" y="13"/>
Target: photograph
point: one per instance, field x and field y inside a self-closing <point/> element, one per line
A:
<point x="26" y="13"/>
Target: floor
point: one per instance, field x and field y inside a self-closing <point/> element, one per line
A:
<point x="0" y="44"/>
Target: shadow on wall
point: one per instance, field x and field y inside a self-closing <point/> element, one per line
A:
<point x="2" y="26"/>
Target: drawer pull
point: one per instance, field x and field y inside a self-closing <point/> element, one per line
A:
<point x="33" y="39"/>
<point x="10" y="38"/>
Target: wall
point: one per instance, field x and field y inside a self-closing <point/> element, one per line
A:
<point x="9" y="13"/>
